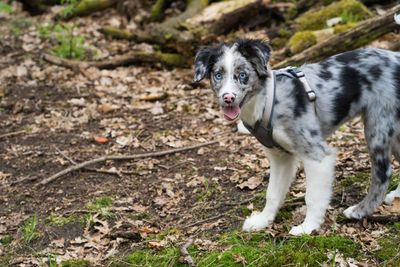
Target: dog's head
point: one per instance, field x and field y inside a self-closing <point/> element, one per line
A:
<point x="236" y="71"/>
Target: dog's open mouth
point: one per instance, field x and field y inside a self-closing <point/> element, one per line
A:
<point x="231" y="113"/>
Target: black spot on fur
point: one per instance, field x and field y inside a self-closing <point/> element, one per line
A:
<point x="204" y="61"/>
<point x="348" y="57"/>
<point x="350" y="92"/>
<point x="391" y="132"/>
<point x="300" y="97"/>
<point x="382" y="166"/>
<point x="396" y="78"/>
<point x="375" y="72"/>
<point x="325" y="74"/>
<point x="365" y="82"/>
<point x="257" y="53"/>
<point x="313" y="133"/>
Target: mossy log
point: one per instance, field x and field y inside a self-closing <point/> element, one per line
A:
<point x="85" y="7"/>
<point x="347" y="9"/>
<point x="361" y="35"/>
<point x="157" y="9"/>
<point x="133" y="57"/>
<point x="221" y="17"/>
<point x="167" y="34"/>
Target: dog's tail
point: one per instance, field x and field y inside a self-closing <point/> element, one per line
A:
<point x="397" y="18"/>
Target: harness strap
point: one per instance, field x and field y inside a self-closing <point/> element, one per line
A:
<point x="263" y="128"/>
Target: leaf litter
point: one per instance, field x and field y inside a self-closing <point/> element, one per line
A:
<point x="134" y="110"/>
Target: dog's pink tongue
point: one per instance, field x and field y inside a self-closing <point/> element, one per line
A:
<point x="231" y="113"/>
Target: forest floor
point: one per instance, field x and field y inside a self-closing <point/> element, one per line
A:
<point x="141" y="212"/>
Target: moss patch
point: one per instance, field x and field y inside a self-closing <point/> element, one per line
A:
<point x="389" y="254"/>
<point x="257" y="249"/>
<point x="349" y="10"/>
<point x="75" y="263"/>
<point x="301" y="41"/>
<point x="29" y="229"/>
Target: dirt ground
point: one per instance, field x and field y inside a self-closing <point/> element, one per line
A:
<point x="56" y="116"/>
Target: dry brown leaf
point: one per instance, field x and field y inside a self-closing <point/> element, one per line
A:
<point x="154" y="96"/>
<point x="157" y="244"/>
<point x="395" y="208"/>
<point x="252" y="183"/>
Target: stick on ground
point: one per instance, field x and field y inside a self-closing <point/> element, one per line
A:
<point x="121" y="157"/>
<point x="185" y="254"/>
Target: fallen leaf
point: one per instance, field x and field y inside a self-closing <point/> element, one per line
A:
<point x="101" y="139"/>
<point x="252" y="183"/>
<point x="153" y="97"/>
<point x="395" y="208"/>
<point x="157" y="244"/>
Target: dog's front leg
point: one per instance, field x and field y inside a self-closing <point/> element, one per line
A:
<point x="283" y="168"/>
<point x="319" y="179"/>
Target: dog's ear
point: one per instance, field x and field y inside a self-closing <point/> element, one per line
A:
<point x="257" y="52"/>
<point x="202" y="63"/>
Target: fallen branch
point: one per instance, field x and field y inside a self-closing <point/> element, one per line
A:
<point x="384" y="218"/>
<point x="185" y="254"/>
<point x="168" y="59"/>
<point x="12" y="134"/>
<point x="86" y="7"/>
<point x="121" y="157"/>
<point x="361" y="35"/>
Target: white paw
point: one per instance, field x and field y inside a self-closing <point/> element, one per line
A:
<point x="256" y="222"/>
<point x="352" y="213"/>
<point x="303" y="229"/>
<point x="391" y="196"/>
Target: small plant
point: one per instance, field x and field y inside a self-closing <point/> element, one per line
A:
<point x="5" y="8"/>
<point x="52" y="260"/>
<point x="67" y="45"/>
<point x="69" y="8"/>
<point x="29" y="229"/>
<point x="100" y="205"/>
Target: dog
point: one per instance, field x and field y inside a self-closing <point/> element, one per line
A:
<point x="362" y="82"/>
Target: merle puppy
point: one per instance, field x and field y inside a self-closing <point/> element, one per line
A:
<point x="363" y="82"/>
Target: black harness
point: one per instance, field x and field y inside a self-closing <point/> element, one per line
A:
<point x="263" y="128"/>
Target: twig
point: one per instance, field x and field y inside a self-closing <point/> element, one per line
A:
<point x="208" y="219"/>
<point x="384" y="218"/>
<point x="113" y="172"/>
<point x="186" y="256"/>
<point x="121" y="157"/>
<point x="12" y="134"/>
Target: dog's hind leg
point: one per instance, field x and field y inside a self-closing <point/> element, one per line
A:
<point x="396" y="152"/>
<point x="283" y="168"/>
<point x="379" y="139"/>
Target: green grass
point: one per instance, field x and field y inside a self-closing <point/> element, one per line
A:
<point x="5" y="8"/>
<point x="75" y="263"/>
<point x="389" y="254"/>
<point x="56" y="220"/>
<point x="256" y="249"/>
<point x="29" y="229"/>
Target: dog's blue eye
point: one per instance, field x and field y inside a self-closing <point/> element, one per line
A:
<point x="242" y="76"/>
<point x="218" y="76"/>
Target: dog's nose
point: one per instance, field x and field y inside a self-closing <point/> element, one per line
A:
<point x="228" y="98"/>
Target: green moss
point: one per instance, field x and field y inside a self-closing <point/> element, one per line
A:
<point x="360" y="179"/>
<point x="256" y="249"/>
<point x="394" y="182"/>
<point x="349" y="10"/>
<point x="6" y="240"/>
<point x="100" y="203"/>
<point x="54" y="219"/>
<point x="76" y="263"/>
<point x="389" y="254"/>
<point x="344" y="27"/>
<point x="301" y="41"/>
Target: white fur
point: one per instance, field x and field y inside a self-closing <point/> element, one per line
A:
<point x="252" y="110"/>
<point x="397" y="18"/>
<point x="392" y="195"/>
<point x="319" y="179"/>
<point x="282" y="172"/>
<point x="228" y="63"/>
<point x="241" y="128"/>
